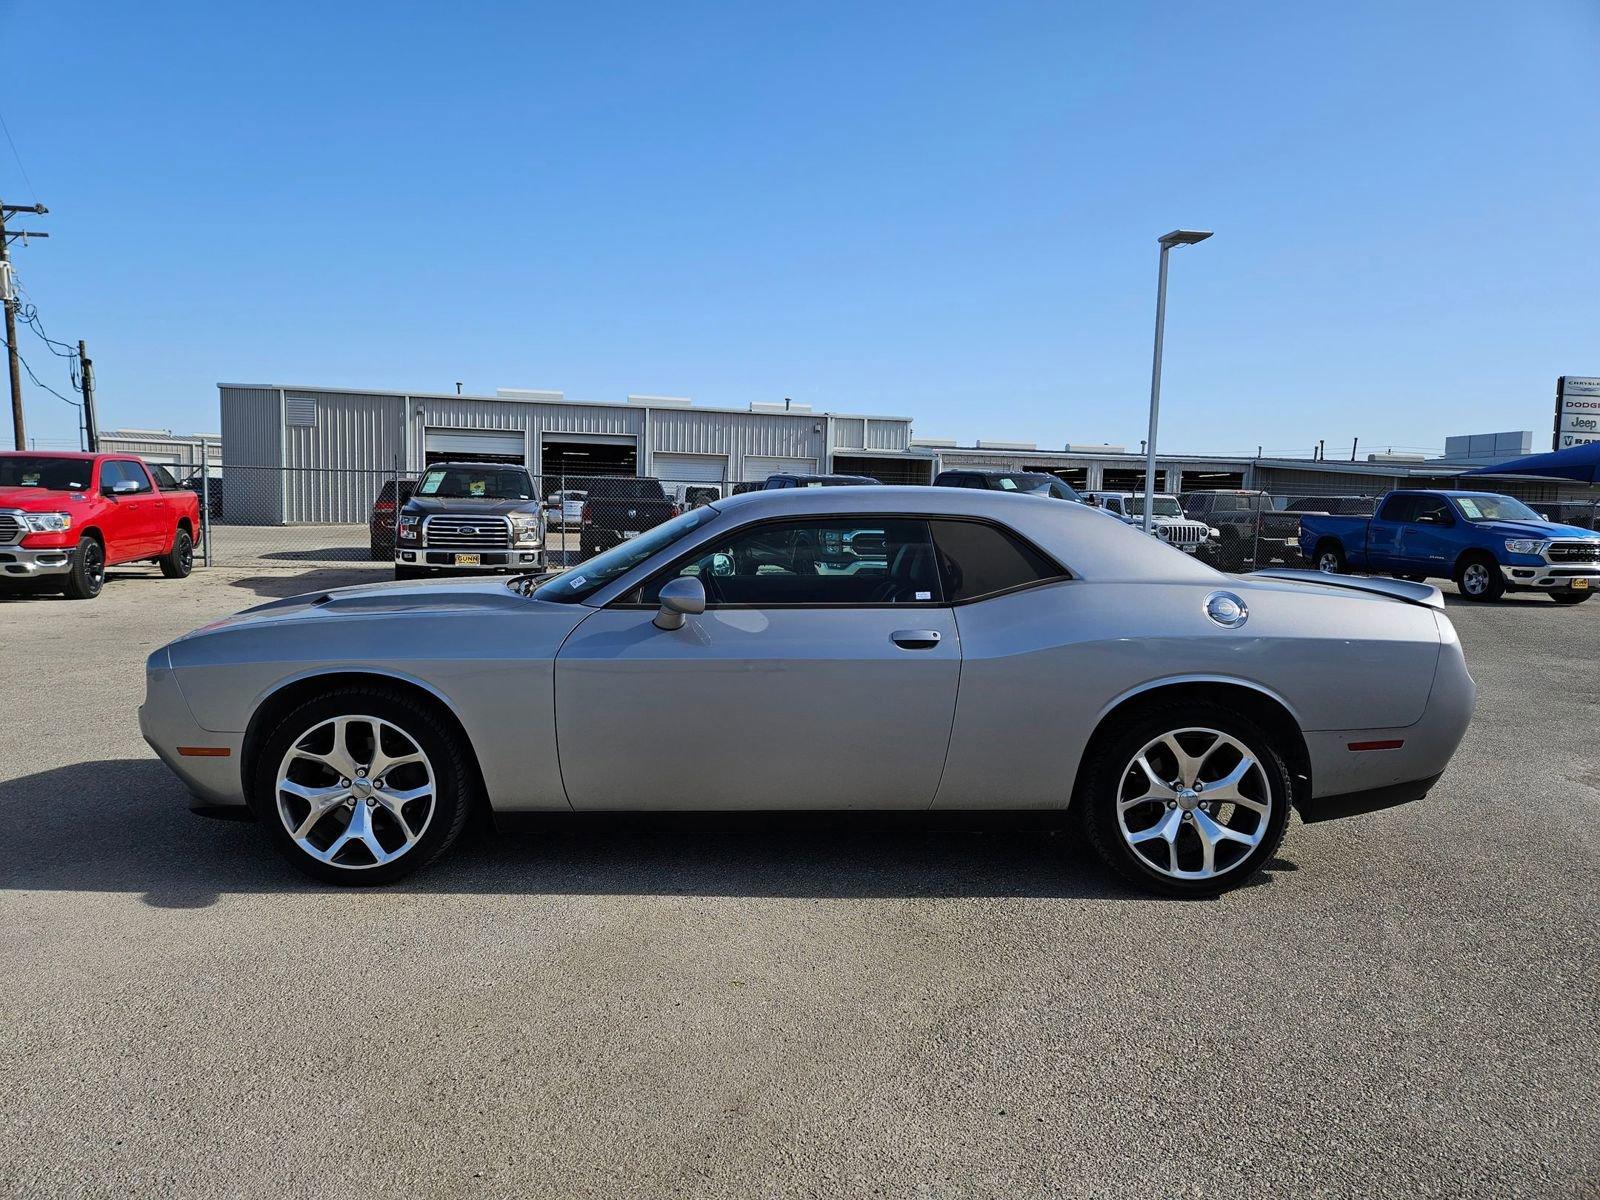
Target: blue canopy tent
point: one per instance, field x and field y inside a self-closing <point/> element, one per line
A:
<point x="1581" y="463"/>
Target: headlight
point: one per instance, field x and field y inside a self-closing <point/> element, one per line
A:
<point x="1213" y="533"/>
<point x="1525" y="546"/>
<point x="48" y="522"/>
<point x="525" y="528"/>
<point x="408" y="527"/>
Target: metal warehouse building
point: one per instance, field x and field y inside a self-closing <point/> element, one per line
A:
<point x="180" y="453"/>
<point x="320" y="454"/>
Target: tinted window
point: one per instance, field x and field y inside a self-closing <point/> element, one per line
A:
<point x="1435" y="508"/>
<point x="163" y="478"/>
<point x="477" y="483"/>
<point x="123" y="472"/>
<point x="849" y="562"/>
<point x="50" y="474"/>
<point x="980" y="560"/>
<point x="1398" y="508"/>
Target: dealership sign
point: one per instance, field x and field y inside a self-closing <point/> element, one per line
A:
<point x="1577" y="412"/>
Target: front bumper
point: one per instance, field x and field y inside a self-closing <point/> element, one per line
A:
<point x="206" y="761"/>
<point x="1552" y="576"/>
<point x="517" y="558"/>
<point x="18" y="563"/>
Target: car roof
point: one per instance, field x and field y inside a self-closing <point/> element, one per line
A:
<point x="1086" y="540"/>
<point x="75" y="454"/>
<point x="988" y="471"/>
<point x="468" y="463"/>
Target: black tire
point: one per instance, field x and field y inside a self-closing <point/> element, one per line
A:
<point x="1107" y="769"/>
<point x="88" y="574"/>
<point x="409" y="572"/>
<point x="1330" y="560"/>
<point x="1230" y="555"/>
<point x="455" y="791"/>
<point x="179" y="561"/>
<point x="1478" y="577"/>
<point x="1570" y="597"/>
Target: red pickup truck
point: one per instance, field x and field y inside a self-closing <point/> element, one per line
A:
<point x="64" y="518"/>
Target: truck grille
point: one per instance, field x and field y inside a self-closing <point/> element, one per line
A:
<point x="1187" y="534"/>
<point x="466" y="533"/>
<point x="11" y="529"/>
<point x="1562" y="552"/>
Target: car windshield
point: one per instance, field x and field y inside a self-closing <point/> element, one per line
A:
<point x="1488" y="507"/>
<point x="47" y="474"/>
<point x="476" y="483"/>
<point x="582" y="581"/>
<point x="1165" y="506"/>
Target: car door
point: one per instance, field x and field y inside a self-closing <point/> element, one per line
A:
<point x="1426" y="542"/>
<point x="129" y="525"/>
<point x="1384" y="548"/>
<point x="821" y="675"/>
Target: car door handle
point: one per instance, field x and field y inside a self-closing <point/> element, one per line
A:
<point x="915" y="639"/>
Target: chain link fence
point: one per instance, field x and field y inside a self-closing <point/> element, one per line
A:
<point x="298" y="517"/>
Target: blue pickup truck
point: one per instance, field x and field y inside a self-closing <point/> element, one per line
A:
<point x="1489" y="544"/>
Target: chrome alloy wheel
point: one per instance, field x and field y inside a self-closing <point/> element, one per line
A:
<point x="1194" y="804"/>
<point x="1328" y="562"/>
<point x="1475" y="579"/>
<point x="355" y="792"/>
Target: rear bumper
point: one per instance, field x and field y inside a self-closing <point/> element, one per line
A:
<point x="17" y="563"/>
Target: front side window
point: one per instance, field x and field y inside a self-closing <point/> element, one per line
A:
<point x="117" y="471"/>
<point x="1432" y="510"/>
<point x="977" y="560"/>
<point x="584" y="580"/>
<point x="843" y="562"/>
<point x="476" y="483"/>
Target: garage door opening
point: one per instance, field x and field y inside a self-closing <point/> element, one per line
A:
<point x="1212" y="481"/>
<point x="1126" y="479"/>
<point x="463" y="445"/>
<point x="885" y="470"/>
<point x="566" y="460"/>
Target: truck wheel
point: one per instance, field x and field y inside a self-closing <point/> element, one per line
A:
<point x="180" y="560"/>
<point x="1330" y="559"/>
<point x="1570" y="597"/>
<point x="409" y="573"/>
<point x="88" y="574"/>
<point x="1479" y="578"/>
<point x="1188" y="799"/>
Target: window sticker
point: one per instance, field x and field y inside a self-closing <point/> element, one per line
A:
<point x="477" y="487"/>
<point x="924" y="595"/>
<point x="1008" y="485"/>
<point x="1470" y="507"/>
<point x="430" y="485"/>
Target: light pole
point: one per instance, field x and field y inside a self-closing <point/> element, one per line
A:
<point x="1178" y="237"/>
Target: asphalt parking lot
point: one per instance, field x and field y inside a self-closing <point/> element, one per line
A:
<point x="1405" y="1005"/>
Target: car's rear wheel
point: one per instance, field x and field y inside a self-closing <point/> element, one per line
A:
<point x="1330" y="559"/>
<point x="88" y="573"/>
<point x="179" y="561"/>
<point x="362" y="786"/>
<point x="1188" y="799"/>
<point x="1570" y="597"/>
<point x="1478" y="578"/>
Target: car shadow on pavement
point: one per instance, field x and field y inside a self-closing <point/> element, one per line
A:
<point x="125" y="826"/>
<point x="13" y="590"/>
<point x="295" y="583"/>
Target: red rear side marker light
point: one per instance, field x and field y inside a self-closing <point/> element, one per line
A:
<point x="1393" y="744"/>
<point x="204" y="751"/>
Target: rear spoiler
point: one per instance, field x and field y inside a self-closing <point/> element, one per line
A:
<point x="1396" y="589"/>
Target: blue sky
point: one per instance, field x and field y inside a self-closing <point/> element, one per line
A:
<point x="944" y="211"/>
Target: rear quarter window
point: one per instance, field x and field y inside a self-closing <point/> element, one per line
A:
<point x="977" y="560"/>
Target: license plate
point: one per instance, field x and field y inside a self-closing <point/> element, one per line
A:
<point x="629" y="533"/>
<point x="469" y="560"/>
<point x="1580" y="585"/>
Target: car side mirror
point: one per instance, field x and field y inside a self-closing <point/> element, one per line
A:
<point x="122" y="488"/>
<point x="680" y="598"/>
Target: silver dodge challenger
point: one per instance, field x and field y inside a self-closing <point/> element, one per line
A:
<point x="828" y="648"/>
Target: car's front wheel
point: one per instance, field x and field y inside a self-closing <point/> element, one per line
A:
<point x="1479" y="578"/>
<point x="88" y="573"/>
<point x="362" y="786"/>
<point x="1188" y="799"/>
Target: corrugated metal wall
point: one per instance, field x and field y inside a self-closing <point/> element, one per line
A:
<point x="186" y="451"/>
<point x="337" y="465"/>
<point x="252" y="437"/>
<point x="888" y="435"/>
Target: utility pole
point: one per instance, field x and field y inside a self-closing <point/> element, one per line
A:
<point x="10" y="294"/>
<point x="91" y="423"/>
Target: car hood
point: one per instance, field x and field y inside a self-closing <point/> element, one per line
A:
<point x="466" y="505"/>
<point x="32" y="499"/>
<point x="1534" y="529"/>
<point x="389" y="598"/>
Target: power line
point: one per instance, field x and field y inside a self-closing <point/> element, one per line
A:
<point x="36" y="380"/>
<point x="12" y="142"/>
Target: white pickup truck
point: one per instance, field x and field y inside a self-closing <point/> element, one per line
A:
<point x="1169" y="524"/>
